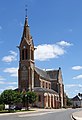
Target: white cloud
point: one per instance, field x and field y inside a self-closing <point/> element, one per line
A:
<point x="64" y="43"/>
<point x="7" y="88"/>
<point x="78" y="77"/>
<point x="10" y="58"/>
<point x="10" y="87"/>
<point x="1" y="78"/>
<point x="73" y="89"/>
<point x="70" y="85"/>
<point x="12" y="71"/>
<point x="8" y="83"/>
<point x="1" y="90"/>
<point x="2" y="82"/>
<point x="48" y="51"/>
<point x="13" y="53"/>
<point x="12" y="83"/>
<point x="73" y="85"/>
<point x="76" y="67"/>
<point x="21" y="24"/>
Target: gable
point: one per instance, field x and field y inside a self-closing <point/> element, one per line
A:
<point x="53" y="74"/>
<point x="76" y="98"/>
<point x="24" y="41"/>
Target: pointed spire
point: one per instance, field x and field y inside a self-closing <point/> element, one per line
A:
<point x="26" y="31"/>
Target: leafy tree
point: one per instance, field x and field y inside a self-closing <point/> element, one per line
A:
<point x="32" y="97"/>
<point x="8" y="97"/>
<point x="1" y="107"/>
<point x="29" y="98"/>
<point x="11" y="97"/>
<point x="1" y="101"/>
<point x="69" y="103"/>
<point x="17" y="97"/>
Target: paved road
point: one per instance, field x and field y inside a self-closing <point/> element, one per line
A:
<point x="46" y="115"/>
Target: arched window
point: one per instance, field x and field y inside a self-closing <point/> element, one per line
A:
<point x="39" y="98"/>
<point x="32" y="55"/>
<point x="23" y="54"/>
<point x="49" y="86"/>
<point x="26" y="54"/>
<point x="46" y="85"/>
<point x="43" y="84"/>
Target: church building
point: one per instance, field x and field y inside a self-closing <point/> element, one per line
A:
<point x="48" y="85"/>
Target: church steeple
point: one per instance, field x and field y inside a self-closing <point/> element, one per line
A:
<point x="26" y="31"/>
<point x="26" y="63"/>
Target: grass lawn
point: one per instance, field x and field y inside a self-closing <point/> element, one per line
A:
<point x="13" y="111"/>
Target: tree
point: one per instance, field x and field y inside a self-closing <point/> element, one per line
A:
<point x="1" y="101"/>
<point x="8" y="97"/>
<point x="17" y="97"/>
<point x="12" y="97"/>
<point x="69" y="103"/>
<point x="30" y="98"/>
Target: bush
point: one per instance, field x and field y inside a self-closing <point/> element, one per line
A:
<point x="1" y="107"/>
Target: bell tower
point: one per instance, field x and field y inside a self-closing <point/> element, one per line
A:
<point x="26" y="62"/>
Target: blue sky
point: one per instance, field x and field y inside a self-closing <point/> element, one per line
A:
<point x="56" y="28"/>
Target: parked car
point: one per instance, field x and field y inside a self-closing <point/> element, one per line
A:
<point x="18" y="107"/>
<point x="13" y="107"/>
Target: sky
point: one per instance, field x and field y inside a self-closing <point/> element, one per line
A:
<point x="56" y="28"/>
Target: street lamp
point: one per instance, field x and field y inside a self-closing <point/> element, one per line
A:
<point x="26" y="100"/>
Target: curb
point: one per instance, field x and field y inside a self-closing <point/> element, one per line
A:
<point x="73" y="117"/>
<point x="14" y="113"/>
<point x="77" y="115"/>
<point x="31" y="112"/>
<point x="76" y="118"/>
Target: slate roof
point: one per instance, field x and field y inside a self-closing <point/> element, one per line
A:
<point x="48" y="75"/>
<point x="42" y="73"/>
<point x="76" y="98"/>
<point x="53" y="74"/>
<point x="39" y="89"/>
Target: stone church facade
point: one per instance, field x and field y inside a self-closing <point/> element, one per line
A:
<point x="47" y="84"/>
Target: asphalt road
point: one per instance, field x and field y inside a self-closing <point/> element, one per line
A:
<point x="46" y="115"/>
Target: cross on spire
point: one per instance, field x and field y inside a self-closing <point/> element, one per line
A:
<point x="26" y="10"/>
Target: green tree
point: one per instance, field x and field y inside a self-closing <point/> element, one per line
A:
<point x="8" y="97"/>
<point x="69" y="103"/>
<point x="17" y="97"/>
<point x="1" y="101"/>
<point x="30" y="98"/>
<point x="12" y="97"/>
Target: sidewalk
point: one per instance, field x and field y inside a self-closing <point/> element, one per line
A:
<point x="77" y="115"/>
<point x="32" y="111"/>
